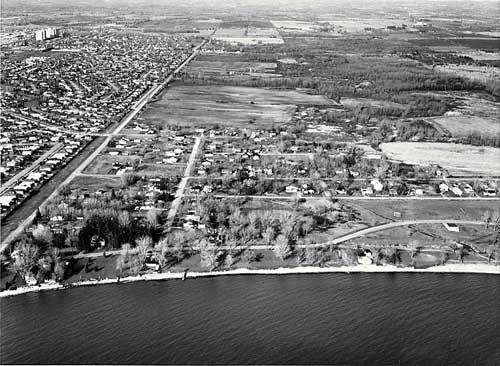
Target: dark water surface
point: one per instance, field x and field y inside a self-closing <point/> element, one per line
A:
<point x="365" y="319"/>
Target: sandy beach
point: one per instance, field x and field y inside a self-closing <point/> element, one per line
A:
<point x="363" y="268"/>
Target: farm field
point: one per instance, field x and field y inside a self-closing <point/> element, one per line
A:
<point x="472" y="112"/>
<point x="295" y="26"/>
<point x="367" y="102"/>
<point x="228" y="106"/>
<point x="457" y="158"/>
<point x="248" y="35"/>
<point x="478" y="43"/>
<point x="355" y="25"/>
<point x="224" y="64"/>
<point x="464" y="125"/>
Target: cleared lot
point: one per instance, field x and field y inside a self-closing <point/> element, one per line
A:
<point x="227" y="105"/>
<point x="457" y="158"/>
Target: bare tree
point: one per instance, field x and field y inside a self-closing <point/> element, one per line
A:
<point x="143" y="245"/>
<point x="123" y="219"/>
<point x="229" y="260"/>
<point x="288" y="229"/>
<point x="27" y="256"/>
<point x="376" y="253"/>
<point x="281" y="247"/>
<point x="490" y="251"/>
<point x="311" y="255"/>
<point x="307" y="225"/>
<point x="486" y="218"/>
<point x="152" y="218"/>
<point x="43" y="234"/>
<point x="267" y="220"/>
<point x="495" y="219"/>
<point x="268" y="235"/>
<point x="443" y="257"/>
<point x="120" y="265"/>
<point x="59" y="270"/>
<point x="208" y="254"/>
<point x="412" y="249"/>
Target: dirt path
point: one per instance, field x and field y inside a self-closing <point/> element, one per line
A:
<point x="182" y="185"/>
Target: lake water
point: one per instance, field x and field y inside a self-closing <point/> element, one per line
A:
<point x="362" y="319"/>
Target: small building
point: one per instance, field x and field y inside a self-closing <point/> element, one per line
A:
<point x="377" y="185"/>
<point x="291" y="189"/>
<point x="451" y="227"/>
<point x="443" y="188"/>
<point x="367" y="191"/>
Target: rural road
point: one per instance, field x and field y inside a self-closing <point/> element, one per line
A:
<point x="338" y="240"/>
<point x="182" y="185"/>
<point x="137" y="108"/>
<point x="12" y="181"/>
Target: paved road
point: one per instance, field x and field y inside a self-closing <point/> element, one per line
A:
<point x="13" y="181"/>
<point x="182" y="184"/>
<point x="22" y="224"/>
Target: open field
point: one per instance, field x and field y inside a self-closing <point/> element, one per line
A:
<point x="103" y="164"/>
<point x="230" y="64"/>
<point x="479" y="43"/>
<point x="477" y="112"/>
<point x="160" y="170"/>
<point x="354" y="25"/>
<point x="228" y="106"/>
<point x="479" y="73"/>
<point x="464" y="125"/>
<point x="454" y="157"/>
<point x="425" y="209"/>
<point x="248" y="35"/>
<point x="368" y="102"/>
<point x="295" y="26"/>
<point x="92" y="184"/>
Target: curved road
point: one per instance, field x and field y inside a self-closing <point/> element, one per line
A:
<point x="391" y="225"/>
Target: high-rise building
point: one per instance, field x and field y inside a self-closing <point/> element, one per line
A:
<point x="40" y="35"/>
<point x="48" y="33"/>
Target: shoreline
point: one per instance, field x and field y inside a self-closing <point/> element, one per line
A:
<point x="362" y="268"/>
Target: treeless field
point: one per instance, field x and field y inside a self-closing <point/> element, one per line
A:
<point x="91" y="184"/>
<point x="222" y="65"/>
<point x="227" y="105"/>
<point x="427" y="209"/>
<point x="459" y="158"/>
<point x="103" y="163"/>
<point x="463" y="125"/>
